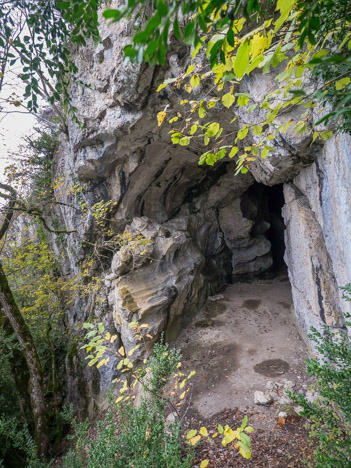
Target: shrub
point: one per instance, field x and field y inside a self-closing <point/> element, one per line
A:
<point x="143" y="438"/>
<point x="330" y="413"/>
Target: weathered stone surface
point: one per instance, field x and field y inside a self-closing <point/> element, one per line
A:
<point x="327" y="187"/>
<point x="262" y="398"/>
<point x="313" y="282"/>
<point x="204" y="226"/>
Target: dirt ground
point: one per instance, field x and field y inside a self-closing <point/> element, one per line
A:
<point x="244" y="340"/>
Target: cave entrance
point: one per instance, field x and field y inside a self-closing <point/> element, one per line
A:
<point x="275" y="234"/>
<point x="263" y="205"/>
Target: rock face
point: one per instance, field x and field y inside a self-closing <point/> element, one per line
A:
<point x="205" y="227"/>
<point x="318" y="230"/>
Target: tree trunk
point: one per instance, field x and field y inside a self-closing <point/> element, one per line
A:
<point x="37" y="390"/>
<point x="19" y="370"/>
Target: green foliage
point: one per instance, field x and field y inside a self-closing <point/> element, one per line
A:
<point x="330" y="414"/>
<point x="150" y="42"/>
<point x="17" y="445"/>
<point x="35" y="37"/>
<point x="159" y="374"/>
<point x="301" y="36"/>
<point x="136" y="436"/>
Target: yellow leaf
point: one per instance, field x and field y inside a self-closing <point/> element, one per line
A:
<point x="162" y="85"/>
<point x="161" y="117"/>
<point x="212" y="103"/>
<point x="203" y="431"/>
<point x="258" y="45"/>
<point x="325" y="135"/>
<point x="113" y="338"/>
<point x="195" y="440"/>
<point x="202" y="112"/>
<point x="215" y="435"/>
<point x="244" y="450"/>
<point x="119" y="399"/>
<point x="189" y="69"/>
<point x="228" y="100"/>
<point x="182" y="395"/>
<point x="195" y="81"/>
<point x="341" y="84"/>
<point x="108" y="336"/>
<point x="184" y="101"/>
<point x="182" y="383"/>
<point x="121" y="351"/>
<point x="204" y="463"/>
<point x="132" y="351"/>
<point x="191" y="434"/>
<point x="188" y="88"/>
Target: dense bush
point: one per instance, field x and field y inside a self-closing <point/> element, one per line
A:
<point x="330" y="413"/>
<point x="143" y="438"/>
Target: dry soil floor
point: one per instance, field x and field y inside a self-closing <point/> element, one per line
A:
<point x="244" y="338"/>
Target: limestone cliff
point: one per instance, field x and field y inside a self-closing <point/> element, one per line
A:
<point x="205" y="226"/>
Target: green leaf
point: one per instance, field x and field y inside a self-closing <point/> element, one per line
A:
<point x="300" y="127"/>
<point x="184" y="141"/>
<point x="176" y="137"/>
<point x="242" y="133"/>
<point x="162" y="8"/>
<point x="266" y="150"/>
<point x="87" y="325"/>
<point x="211" y="159"/>
<point x="189" y="30"/>
<point x="249" y="429"/>
<point x="92" y="362"/>
<point x="233" y="151"/>
<point x="326" y="135"/>
<point x="245" y="439"/>
<point x="212" y="129"/>
<point x="341" y="84"/>
<point x="244" y="450"/>
<point x="202" y="112"/>
<point x="243" y="99"/>
<point x="242" y="59"/>
<point x="176" y="29"/>
<point x="220" y="429"/>
<point x="257" y="130"/>
<point x="221" y="154"/>
<point x="153" y="23"/>
<point x="193" y="129"/>
<point x="244" y="423"/>
<point x="228" y="100"/>
<point x="63" y="5"/>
